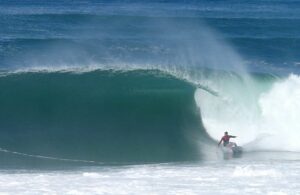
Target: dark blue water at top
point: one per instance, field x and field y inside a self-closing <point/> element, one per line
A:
<point x="266" y="34"/>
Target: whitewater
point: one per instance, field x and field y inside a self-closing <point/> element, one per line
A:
<point x="128" y="97"/>
<point x="268" y="121"/>
<point x="204" y="178"/>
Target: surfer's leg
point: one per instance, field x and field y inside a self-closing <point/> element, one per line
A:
<point x="229" y="145"/>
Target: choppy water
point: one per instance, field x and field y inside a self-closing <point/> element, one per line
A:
<point x="212" y="177"/>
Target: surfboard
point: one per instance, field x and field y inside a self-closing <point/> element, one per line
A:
<point x="237" y="151"/>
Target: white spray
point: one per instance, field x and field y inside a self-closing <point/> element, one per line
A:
<point x="264" y="114"/>
<point x="268" y="120"/>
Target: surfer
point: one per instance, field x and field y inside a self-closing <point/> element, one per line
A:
<point x="226" y="139"/>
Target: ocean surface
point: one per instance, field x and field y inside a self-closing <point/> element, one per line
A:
<point x="132" y="97"/>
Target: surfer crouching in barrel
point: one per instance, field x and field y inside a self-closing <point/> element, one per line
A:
<point x="226" y="139"/>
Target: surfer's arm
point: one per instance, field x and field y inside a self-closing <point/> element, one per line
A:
<point x="232" y="136"/>
<point x="220" y="142"/>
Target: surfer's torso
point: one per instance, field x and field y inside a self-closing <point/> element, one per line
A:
<point x="225" y="139"/>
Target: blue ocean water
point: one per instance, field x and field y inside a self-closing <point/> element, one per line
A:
<point x="56" y="33"/>
<point x="131" y="97"/>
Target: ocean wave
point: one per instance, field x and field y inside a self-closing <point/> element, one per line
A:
<point x="100" y="115"/>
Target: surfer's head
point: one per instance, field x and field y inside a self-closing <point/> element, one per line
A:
<point x="226" y="133"/>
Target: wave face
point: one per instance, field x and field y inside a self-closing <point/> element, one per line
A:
<point x="138" y="115"/>
<point x="102" y="115"/>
